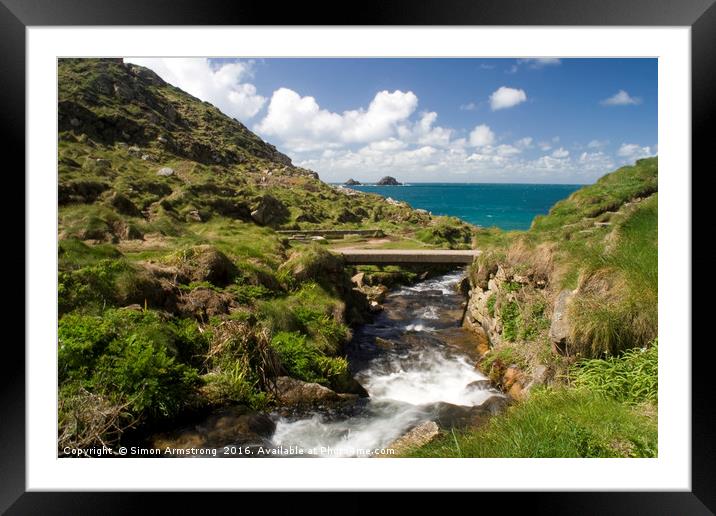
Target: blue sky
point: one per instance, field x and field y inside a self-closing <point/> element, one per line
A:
<point x="437" y="120"/>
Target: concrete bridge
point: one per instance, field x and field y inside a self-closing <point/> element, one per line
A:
<point x="406" y="256"/>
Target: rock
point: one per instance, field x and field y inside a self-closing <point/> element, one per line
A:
<point x="449" y="416"/>
<point x="384" y="343"/>
<point x="540" y="374"/>
<point x="74" y="122"/>
<point x="483" y="341"/>
<point x="165" y="171"/>
<point x="291" y="391"/>
<point x="479" y="385"/>
<point x="135" y="307"/>
<point x="147" y="157"/>
<point x="134" y="151"/>
<point x="463" y="286"/>
<point x="193" y="216"/>
<point x="358" y="279"/>
<point x="484" y="273"/>
<point x="352" y="182"/>
<point x="269" y="211"/>
<point x="388" y="181"/>
<point x="559" y="329"/>
<point x="415" y="438"/>
<point x="161" y="139"/>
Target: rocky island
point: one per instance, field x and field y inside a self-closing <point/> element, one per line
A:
<point x="389" y="181"/>
<point x="352" y="182"/>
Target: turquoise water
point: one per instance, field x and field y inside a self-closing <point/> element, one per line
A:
<point x="506" y="206"/>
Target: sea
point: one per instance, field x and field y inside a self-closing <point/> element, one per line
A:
<point x="506" y="206"/>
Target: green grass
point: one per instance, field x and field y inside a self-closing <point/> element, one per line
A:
<point x="447" y="232"/>
<point x="556" y="423"/>
<point x="310" y="310"/>
<point x="619" y="307"/>
<point x="607" y="194"/>
<point x="630" y="378"/>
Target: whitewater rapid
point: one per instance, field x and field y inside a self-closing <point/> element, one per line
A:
<point x="411" y="359"/>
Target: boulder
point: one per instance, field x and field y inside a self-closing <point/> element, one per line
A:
<point x="269" y="211"/>
<point x="415" y="438"/>
<point x="165" y="171"/>
<point x="479" y="385"/>
<point x="484" y="273"/>
<point x="388" y="181"/>
<point x="559" y="329"/>
<point x="358" y="279"/>
<point x="449" y="416"/>
<point x="291" y="391"/>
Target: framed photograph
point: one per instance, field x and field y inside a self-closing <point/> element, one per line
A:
<point x="437" y="236"/>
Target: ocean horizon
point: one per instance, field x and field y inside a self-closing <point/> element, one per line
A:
<point x="508" y="206"/>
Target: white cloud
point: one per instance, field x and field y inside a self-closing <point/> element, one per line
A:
<point x="597" y="144"/>
<point x="621" y="98"/>
<point x="507" y="150"/>
<point x="424" y="132"/>
<point x="224" y="86"/>
<point x="481" y="136"/>
<point x="632" y="151"/>
<point x="524" y="143"/>
<point x="505" y="97"/>
<point x="596" y="161"/>
<point x="300" y="121"/>
<point x="560" y="153"/>
<point x="540" y="62"/>
<point x="470" y="106"/>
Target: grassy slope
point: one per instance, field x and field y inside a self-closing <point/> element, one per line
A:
<point x="603" y="401"/>
<point x="218" y="303"/>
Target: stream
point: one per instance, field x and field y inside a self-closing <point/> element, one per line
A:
<point x="414" y="359"/>
<point x="416" y="362"/>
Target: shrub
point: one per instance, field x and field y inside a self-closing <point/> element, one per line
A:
<point x="631" y="377"/>
<point x="449" y="232"/>
<point x="510" y="315"/>
<point x="241" y="364"/>
<point x="131" y="357"/>
<point x="141" y="371"/>
<point x="301" y="359"/>
<point x="75" y="254"/>
<point x="491" y="304"/>
<point x="91" y="286"/>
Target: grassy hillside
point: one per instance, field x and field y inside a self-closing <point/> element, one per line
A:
<point x="175" y="293"/>
<point x="570" y="311"/>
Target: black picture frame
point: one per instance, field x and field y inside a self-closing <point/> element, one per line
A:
<point x="17" y="15"/>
